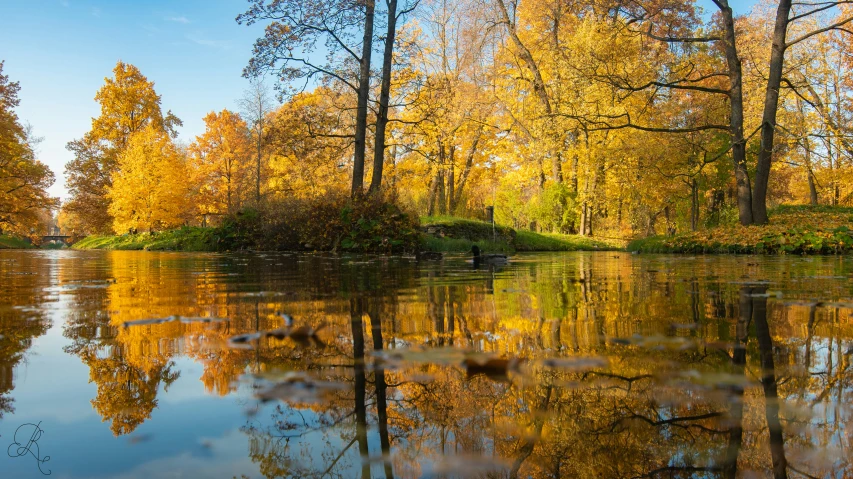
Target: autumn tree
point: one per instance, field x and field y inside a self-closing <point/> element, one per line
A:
<point x="307" y="143"/>
<point x="304" y="33"/>
<point x="149" y="188"/>
<point x="220" y="163"/>
<point x="23" y="179"/>
<point x="129" y="104"/>
<point x="255" y="106"/>
<point x="448" y="112"/>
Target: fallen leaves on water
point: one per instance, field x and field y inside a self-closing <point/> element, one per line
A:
<point x="169" y="319"/>
<point x="715" y="379"/>
<point x="468" y="466"/>
<point x="483" y="363"/>
<point x="657" y="342"/>
<point x="266" y="294"/>
<point x="576" y="363"/>
<point x="441" y="356"/>
<point x="295" y="387"/>
<point x="305" y="335"/>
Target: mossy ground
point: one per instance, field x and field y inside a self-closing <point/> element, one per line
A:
<point x="13" y="242"/>
<point x="459" y="234"/>
<point x="792" y="230"/>
<point x="183" y="239"/>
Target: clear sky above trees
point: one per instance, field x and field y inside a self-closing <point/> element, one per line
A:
<point x="61" y="50"/>
<point x="194" y="52"/>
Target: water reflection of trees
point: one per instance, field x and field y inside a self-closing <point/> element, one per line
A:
<point x="724" y="402"/>
<point x="706" y="378"/>
<point x="24" y="283"/>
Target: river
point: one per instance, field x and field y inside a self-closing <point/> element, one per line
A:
<point x="604" y="364"/>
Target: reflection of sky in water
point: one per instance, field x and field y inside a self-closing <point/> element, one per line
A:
<point x="525" y="308"/>
<point x="190" y="434"/>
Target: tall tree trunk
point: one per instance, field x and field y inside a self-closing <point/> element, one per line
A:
<point x="228" y="191"/>
<point x="586" y="220"/>
<point x="469" y="162"/>
<point x="363" y="96"/>
<point x="259" y="144"/>
<point x="694" y="205"/>
<point x="442" y="197"/>
<point x="574" y="177"/>
<point x="589" y="215"/>
<point x="384" y="96"/>
<point x="744" y="190"/>
<point x="557" y="167"/>
<point x="451" y="180"/>
<point x="433" y="188"/>
<point x="813" y="199"/>
<point x="393" y="164"/>
<point x="768" y="120"/>
<point x="807" y="147"/>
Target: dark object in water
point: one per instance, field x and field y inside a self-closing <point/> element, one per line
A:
<point x="493" y="368"/>
<point x="428" y="256"/>
<point x="304" y="335"/>
<point x="488" y="258"/>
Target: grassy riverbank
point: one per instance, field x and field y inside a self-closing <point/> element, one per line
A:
<point x="183" y="239"/>
<point x="444" y="234"/>
<point x="13" y="242"/>
<point x="792" y="230"/>
<point x="451" y="234"/>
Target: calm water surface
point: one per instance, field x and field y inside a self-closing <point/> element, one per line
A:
<point x="604" y="365"/>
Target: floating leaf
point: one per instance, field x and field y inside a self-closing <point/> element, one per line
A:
<point x="297" y="387"/>
<point x="575" y="363"/>
<point x="169" y="319"/>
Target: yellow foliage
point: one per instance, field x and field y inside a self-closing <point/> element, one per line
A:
<point x="149" y="190"/>
<point x="220" y="164"/>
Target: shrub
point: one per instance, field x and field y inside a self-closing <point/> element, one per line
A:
<point x="334" y="222"/>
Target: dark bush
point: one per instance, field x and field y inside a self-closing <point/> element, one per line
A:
<point x="334" y="222"/>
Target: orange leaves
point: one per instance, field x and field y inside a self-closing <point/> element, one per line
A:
<point x="23" y="179"/>
<point x="149" y="190"/>
<point x="220" y="164"/>
<point x="129" y="105"/>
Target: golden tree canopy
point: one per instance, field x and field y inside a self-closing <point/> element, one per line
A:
<point x="149" y="190"/>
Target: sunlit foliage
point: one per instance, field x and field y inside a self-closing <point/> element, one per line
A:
<point x="24" y="180"/>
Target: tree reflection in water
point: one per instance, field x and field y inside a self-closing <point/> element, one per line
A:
<point x="707" y="406"/>
<point x="620" y="367"/>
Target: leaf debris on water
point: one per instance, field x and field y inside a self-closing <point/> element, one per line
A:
<point x="295" y="387"/>
<point x="303" y="335"/>
<point x="182" y="319"/>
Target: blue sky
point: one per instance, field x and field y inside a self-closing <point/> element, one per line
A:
<point x="61" y="51"/>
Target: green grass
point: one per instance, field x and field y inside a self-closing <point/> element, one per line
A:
<point x="461" y="228"/>
<point x="183" y="239"/>
<point x="451" y="234"/>
<point x="13" y="242"/>
<point x="530" y="241"/>
<point x="462" y="245"/>
<point x="460" y="234"/>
